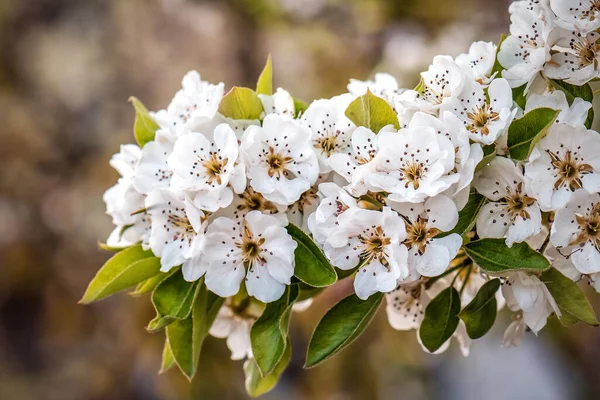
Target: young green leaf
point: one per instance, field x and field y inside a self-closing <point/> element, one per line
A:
<point x="571" y="92"/>
<point x="125" y="269"/>
<point x="256" y="384"/>
<point x="168" y="361"/>
<point x="174" y="297"/>
<point x="518" y="94"/>
<point x="150" y="284"/>
<point x="468" y="215"/>
<point x="241" y="103"/>
<point x="525" y="132"/>
<point x="440" y="320"/>
<point x="569" y="298"/>
<point x="494" y="256"/>
<point x="159" y="323"/>
<point x="489" y="153"/>
<point x="311" y="265"/>
<point x="186" y="336"/>
<point x="372" y="112"/>
<point x="341" y="326"/>
<point x="269" y="332"/>
<point x="497" y="68"/>
<point x="299" y="106"/>
<point x="265" y="80"/>
<point x="144" y="126"/>
<point x="479" y="315"/>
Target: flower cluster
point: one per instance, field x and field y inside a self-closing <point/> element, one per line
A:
<point x="485" y="175"/>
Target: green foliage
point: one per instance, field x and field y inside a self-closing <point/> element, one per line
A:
<point x="341" y="326"/>
<point x="265" y="80"/>
<point x="518" y="94"/>
<point x="144" y="126"/>
<point x="494" y="256"/>
<point x="468" y="215"/>
<point x="479" y="315"/>
<point x="125" y="269"/>
<point x="526" y="131"/>
<point x="571" y="301"/>
<point x="584" y="92"/>
<point x="269" y="333"/>
<point x="489" y="153"/>
<point x="173" y="299"/>
<point x="440" y="320"/>
<point x="168" y="361"/>
<point x="150" y="284"/>
<point x="186" y="336"/>
<point x="241" y="103"/>
<point x="311" y="266"/>
<point x="256" y="383"/>
<point x="372" y="112"/>
<point x="299" y="106"/>
<point x="497" y="69"/>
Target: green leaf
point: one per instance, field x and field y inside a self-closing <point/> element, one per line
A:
<point x="125" y="269"/>
<point x="569" y="298"/>
<point x="420" y="87"/>
<point x="159" y="323"/>
<point x="111" y="249"/>
<point x="440" y="320"/>
<point x="150" y="284"/>
<point x="241" y="103"/>
<point x="489" y="153"/>
<point x="269" y="332"/>
<point x="494" y="256"/>
<point x="372" y="112"/>
<point x="144" y="126"/>
<point x="525" y="132"/>
<point x="299" y="106"/>
<point x="256" y="384"/>
<point x="584" y="92"/>
<point x="341" y="326"/>
<point x="174" y="296"/>
<point x="497" y="69"/>
<point x="168" y="361"/>
<point x="518" y="94"/>
<point x="311" y="265"/>
<point x="468" y="215"/>
<point x="479" y="315"/>
<point x="265" y="80"/>
<point x="186" y="336"/>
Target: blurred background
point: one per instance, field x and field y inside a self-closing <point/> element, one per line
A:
<point x="67" y="68"/>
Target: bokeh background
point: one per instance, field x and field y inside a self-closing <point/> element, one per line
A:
<point x="67" y="68"/>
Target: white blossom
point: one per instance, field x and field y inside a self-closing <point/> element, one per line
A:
<point x="384" y="86"/>
<point x="153" y="171"/>
<point x="565" y="160"/>
<point x="334" y="200"/>
<point x="575" y="114"/>
<point x="235" y="327"/>
<point x="281" y="161"/>
<point x="576" y="60"/>
<point x="281" y="102"/>
<point x="479" y="60"/>
<point x="580" y="15"/>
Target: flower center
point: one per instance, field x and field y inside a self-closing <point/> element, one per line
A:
<point x="252" y="200"/>
<point x="585" y="51"/>
<point x="589" y="228"/>
<point x="517" y="203"/>
<point x="479" y="117"/>
<point x="250" y="248"/>
<point x="374" y="242"/>
<point x="568" y="170"/>
<point x="277" y="163"/>
<point x="327" y="144"/>
<point x="412" y="172"/>
<point x="215" y="166"/>
<point x="419" y="234"/>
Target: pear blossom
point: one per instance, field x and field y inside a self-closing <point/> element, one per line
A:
<point x="334" y="200"/>
<point x="177" y="234"/>
<point x="258" y="249"/>
<point x="126" y="207"/>
<point x="565" y="160"/>
<point x="485" y="120"/>
<point x="527" y="49"/>
<point x="371" y="240"/>
<point x="280" y="159"/>
<point x="580" y="15"/>
<point x="528" y="294"/>
<point x="428" y="253"/>
<point x="125" y="161"/>
<point x="413" y="164"/>
<point x="153" y="171"/>
<point x="384" y="86"/>
<point x="514" y="334"/>
<point x="331" y="130"/>
<point x="298" y="212"/>
<point x="208" y="166"/>
<point x="575" y="114"/>
<point x="576" y="230"/>
<point x="513" y="212"/>
<point x="577" y="61"/>
<point x="444" y="80"/>
<point x="479" y="60"/>
<point x="281" y="102"/>
<point x="235" y="327"/>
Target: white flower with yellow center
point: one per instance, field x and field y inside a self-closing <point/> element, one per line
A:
<point x="479" y="60"/>
<point x="485" y="120"/>
<point x="281" y="161"/>
<point x="177" y="234"/>
<point x="371" y="240"/>
<point x="412" y="164"/>
<point x="577" y="59"/>
<point x="330" y="128"/>
<point x="580" y="15"/>
<point x="280" y="102"/>
<point x="257" y="248"/>
<point x="334" y="200"/>
<point x="153" y="171"/>
<point x="565" y="160"/>
<point x="575" y="114"/>
<point x="429" y="252"/>
<point x="576" y="231"/>
<point x="384" y="86"/>
<point x="210" y="167"/>
<point x="513" y="212"/>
